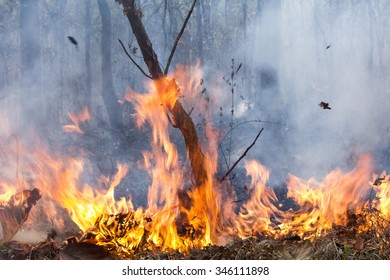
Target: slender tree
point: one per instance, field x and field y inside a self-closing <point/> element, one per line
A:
<point x="108" y="94"/>
<point x="88" y="70"/>
<point x="29" y="54"/>
<point x="199" y="31"/>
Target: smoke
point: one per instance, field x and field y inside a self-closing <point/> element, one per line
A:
<point x="306" y="52"/>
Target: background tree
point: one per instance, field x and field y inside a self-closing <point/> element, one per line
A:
<point x="108" y="92"/>
<point x="30" y="51"/>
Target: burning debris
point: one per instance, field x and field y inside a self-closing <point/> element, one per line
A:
<point x="324" y="105"/>
<point x="15" y="212"/>
<point x="73" y="41"/>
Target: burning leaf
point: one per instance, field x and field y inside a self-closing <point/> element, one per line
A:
<point x="324" y="106"/>
<point x="73" y="40"/>
<point x="379" y="181"/>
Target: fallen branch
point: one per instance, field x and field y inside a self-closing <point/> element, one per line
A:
<point x="178" y="37"/>
<point x="132" y="60"/>
<point x="242" y="156"/>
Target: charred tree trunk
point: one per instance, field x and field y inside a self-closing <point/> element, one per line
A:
<point x="180" y="117"/>
<point x="108" y="94"/>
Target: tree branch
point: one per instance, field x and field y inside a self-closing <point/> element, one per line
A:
<point x="178" y="37"/>
<point x="132" y="60"/>
<point x="242" y="156"/>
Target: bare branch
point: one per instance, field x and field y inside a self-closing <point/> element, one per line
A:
<point x="178" y="38"/>
<point x="132" y="60"/>
<point x="242" y="156"/>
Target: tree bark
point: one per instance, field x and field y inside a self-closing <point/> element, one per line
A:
<point x="181" y="119"/>
<point x="108" y="94"/>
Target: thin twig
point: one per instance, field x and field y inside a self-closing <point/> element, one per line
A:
<point x="178" y="38"/>
<point x="243" y="155"/>
<point x="232" y="128"/>
<point x="132" y="60"/>
<point x="245" y="122"/>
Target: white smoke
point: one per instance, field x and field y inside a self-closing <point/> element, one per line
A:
<point x="321" y="52"/>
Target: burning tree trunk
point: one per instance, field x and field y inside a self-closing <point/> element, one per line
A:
<point x="15" y="213"/>
<point x="180" y="118"/>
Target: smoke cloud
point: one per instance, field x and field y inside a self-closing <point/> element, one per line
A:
<point x="306" y="52"/>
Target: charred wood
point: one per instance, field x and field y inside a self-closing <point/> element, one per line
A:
<point x="15" y="213"/>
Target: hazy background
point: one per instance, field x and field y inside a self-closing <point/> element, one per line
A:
<point x="286" y="56"/>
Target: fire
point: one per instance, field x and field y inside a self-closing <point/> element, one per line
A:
<point x="327" y="203"/>
<point x="179" y="216"/>
<point x="77" y="120"/>
<point x="256" y="213"/>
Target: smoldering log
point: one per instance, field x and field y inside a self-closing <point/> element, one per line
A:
<point x="15" y="213"/>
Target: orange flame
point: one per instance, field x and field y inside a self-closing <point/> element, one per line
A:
<point x="325" y="204"/>
<point x="77" y="120"/>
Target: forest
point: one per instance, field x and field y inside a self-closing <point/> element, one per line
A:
<point x="194" y="129"/>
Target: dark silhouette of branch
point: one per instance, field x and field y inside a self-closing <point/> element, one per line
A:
<point x="242" y="156"/>
<point x="222" y="139"/>
<point x="132" y="60"/>
<point x="178" y="38"/>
